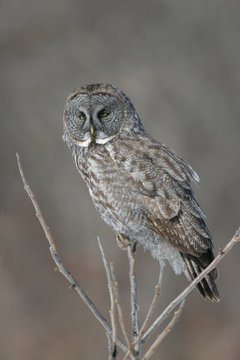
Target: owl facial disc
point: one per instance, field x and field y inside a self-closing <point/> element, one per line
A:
<point x="93" y="118"/>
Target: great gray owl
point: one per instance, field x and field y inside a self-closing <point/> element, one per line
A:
<point x="140" y="187"/>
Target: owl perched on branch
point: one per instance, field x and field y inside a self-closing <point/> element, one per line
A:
<point x="140" y="187"/>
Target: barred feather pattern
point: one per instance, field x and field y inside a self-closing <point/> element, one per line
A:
<point x="146" y="196"/>
<point x="142" y="189"/>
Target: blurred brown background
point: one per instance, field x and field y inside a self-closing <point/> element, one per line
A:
<point x="179" y="63"/>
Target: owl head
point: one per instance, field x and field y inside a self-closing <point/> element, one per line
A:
<point x="98" y="113"/>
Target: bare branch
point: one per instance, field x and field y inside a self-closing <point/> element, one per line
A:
<point x="150" y="310"/>
<point x="131" y="351"/>
<point x="165" y="332"/>
<point x="160" y="280"/>
<point x="191" y="286"/>
<point x="134" y="305"/>
<point x="111" y="295"/>
<point x="127" y="356"/>
<point x="27" y="188"/>
<point x="109" y="346"/>
<point x="58" y="261"/>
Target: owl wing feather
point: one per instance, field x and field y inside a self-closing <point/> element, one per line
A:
<point x="164" y="185"/>
<point x="169" y="205"/>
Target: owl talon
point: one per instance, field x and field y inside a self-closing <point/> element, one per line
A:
<point x="122" y="242"/>
<point x="134" y="247"/>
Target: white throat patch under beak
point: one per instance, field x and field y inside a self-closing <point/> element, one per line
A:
<point x="104" y="140"/>
<point x="84" y="143"/>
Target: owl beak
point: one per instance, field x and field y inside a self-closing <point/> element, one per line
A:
<point x="92" y="130"/>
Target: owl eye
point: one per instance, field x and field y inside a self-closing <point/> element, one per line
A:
<point x="103" y="113"/>
<point x="82" y="116"/>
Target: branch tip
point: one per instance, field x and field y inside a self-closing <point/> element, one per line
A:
<point x="237" y="235"/>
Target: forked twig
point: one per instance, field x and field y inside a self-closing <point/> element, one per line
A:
<point x="164" y="333"/>
<point x="58" y="261"/>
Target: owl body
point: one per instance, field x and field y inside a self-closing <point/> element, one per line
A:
<point x="122" y="191"/>
<point x="141" y="188"/>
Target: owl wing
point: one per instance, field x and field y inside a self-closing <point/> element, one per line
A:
<point x="174" y="212"/>
<point x="163" y="181"/>
<point x="169" y="208"/>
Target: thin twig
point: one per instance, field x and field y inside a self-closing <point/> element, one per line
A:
<point x="191" y="286"/>
<point x="165" y="332"/>
<point x="127" y="356"/>
<point x="111" y="295"/>
<point x="109" y="346"/>
<point x="150" y="310"/>
<point x="39" y="215"/>
<point x="134" y="305"/>
<point x="58" y="261"/>
<point x="161" y="270"/>
<point x="120" y="314"/>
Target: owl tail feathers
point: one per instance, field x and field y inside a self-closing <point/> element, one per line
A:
<point x="195" y="265"/>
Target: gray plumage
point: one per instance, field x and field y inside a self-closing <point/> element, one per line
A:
<point x="140" y="187"/>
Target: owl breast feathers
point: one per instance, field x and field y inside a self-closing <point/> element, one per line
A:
<point x="140" y="187"/>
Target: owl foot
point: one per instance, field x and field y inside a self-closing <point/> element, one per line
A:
<point x="122" y="241"/>
<point x="134" y="247"/>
